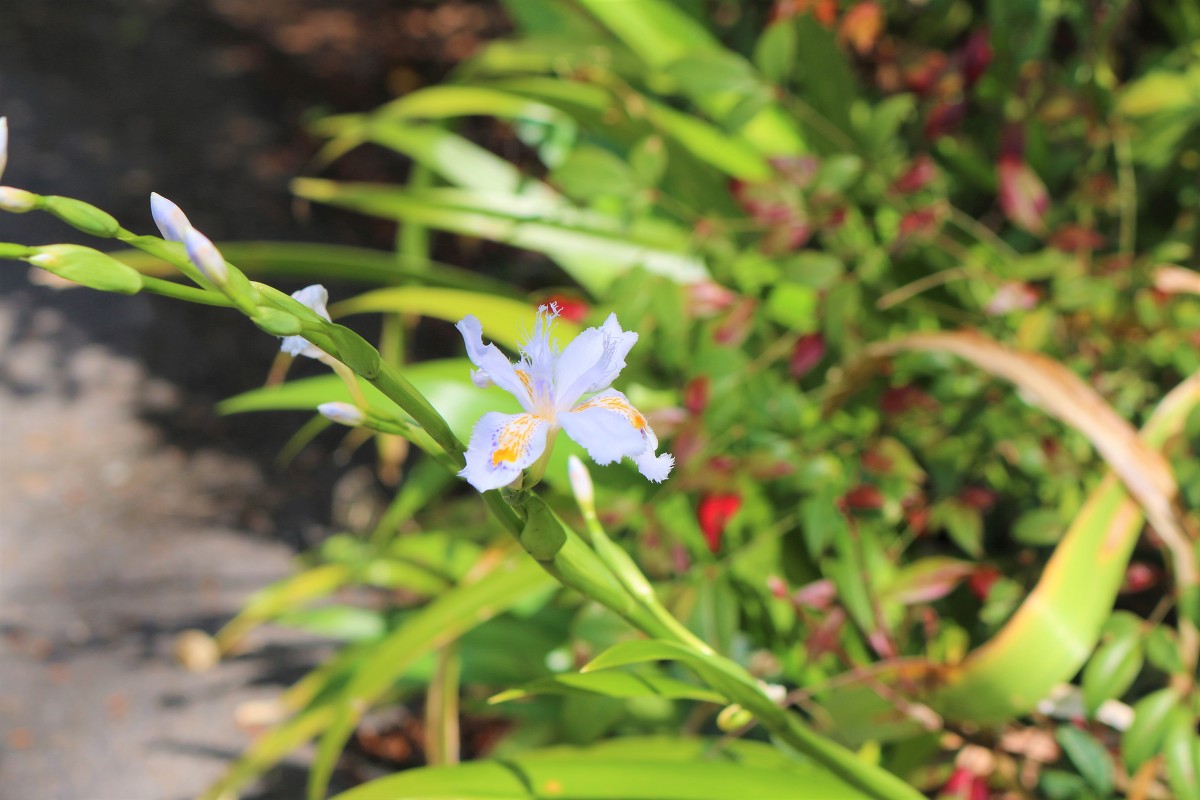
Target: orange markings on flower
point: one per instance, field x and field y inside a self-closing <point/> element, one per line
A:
<point x="526" y="381"/>
<point x="617" y="404"/>
<point x="514" y="438"/>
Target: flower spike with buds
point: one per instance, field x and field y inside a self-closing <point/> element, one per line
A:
<point x="549" y="384"/>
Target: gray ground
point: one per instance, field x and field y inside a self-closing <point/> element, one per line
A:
<point x="111" y="541"/>
<point x="128" y="510"/>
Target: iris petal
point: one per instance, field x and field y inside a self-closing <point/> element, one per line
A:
<point x="501" y="446"/>
<point x="610" y="428"/>
<point x="592" y="361"/>
<point x="494" y="367"/>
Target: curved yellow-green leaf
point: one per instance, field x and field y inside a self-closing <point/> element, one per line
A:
<point x="633" y="768"/>
<point x="504" y="320"/>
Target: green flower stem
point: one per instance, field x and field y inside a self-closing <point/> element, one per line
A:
<point x="179" y="291"/>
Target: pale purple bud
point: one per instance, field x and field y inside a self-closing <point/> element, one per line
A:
<point x="171" y="221"/>
<point x="3" y="144"/>
<point x="343" y="413"/>
<point x="205" y="255"/>
<point x="581" y="484"/>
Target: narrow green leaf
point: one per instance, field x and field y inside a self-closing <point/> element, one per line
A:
<point x="1088" y="756"/>
<point x="1112" y="670"/>
<point x="1145" y="735"/>
<point x="594" y="248"/>
<point x="613" y="683"/>
<point x="1181" y="752"/>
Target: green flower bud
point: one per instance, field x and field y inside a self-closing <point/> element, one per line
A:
<point x="88" y="267"/>
<point x="276" y="322"/>
<point x="84" y="216"/>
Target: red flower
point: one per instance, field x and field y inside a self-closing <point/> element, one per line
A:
<point x="714" y="514"/>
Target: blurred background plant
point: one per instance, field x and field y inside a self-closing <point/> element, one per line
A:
<point x="908" y="279"/>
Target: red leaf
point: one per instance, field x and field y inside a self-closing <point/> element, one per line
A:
<point x="809" y="351"/>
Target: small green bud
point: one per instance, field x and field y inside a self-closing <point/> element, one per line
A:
<point x="88" y="267"/>
<point x="84" y="216"/>
<point x="17" y="201"/>
<point x="733" y="718"/>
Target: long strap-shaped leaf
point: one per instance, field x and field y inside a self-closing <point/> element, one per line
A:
<point x="1052" y="633"/>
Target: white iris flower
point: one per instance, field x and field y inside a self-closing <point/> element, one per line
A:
<point x="549" y="384"/>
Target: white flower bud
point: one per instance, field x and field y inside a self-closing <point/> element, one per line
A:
<point x="18" y="201"/>
<point x="581" y="484"/>
<point x="205" y="255"/>
<point x="171" y="221"/>
<point x="343" y="413"/>
<point x="3" y="144"/>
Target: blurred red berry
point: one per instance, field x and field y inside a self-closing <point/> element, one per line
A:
<point x="714" y="513"/>
<point x="964" y="785"/>
<point x="978" y="498"/>
<point x="863" y="497"/>
<point x="1139" y="577"/>
<point x="982" y="580"/>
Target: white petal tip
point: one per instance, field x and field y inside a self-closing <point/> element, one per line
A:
<point x="171" y="221"/>
<point x="343" y="413"/>
<point x="655" y="468"/>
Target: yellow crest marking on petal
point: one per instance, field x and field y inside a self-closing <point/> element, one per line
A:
<point x="614" y="403"/>
<point x="514" y="438"/>
<point x="526" y="381"/>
